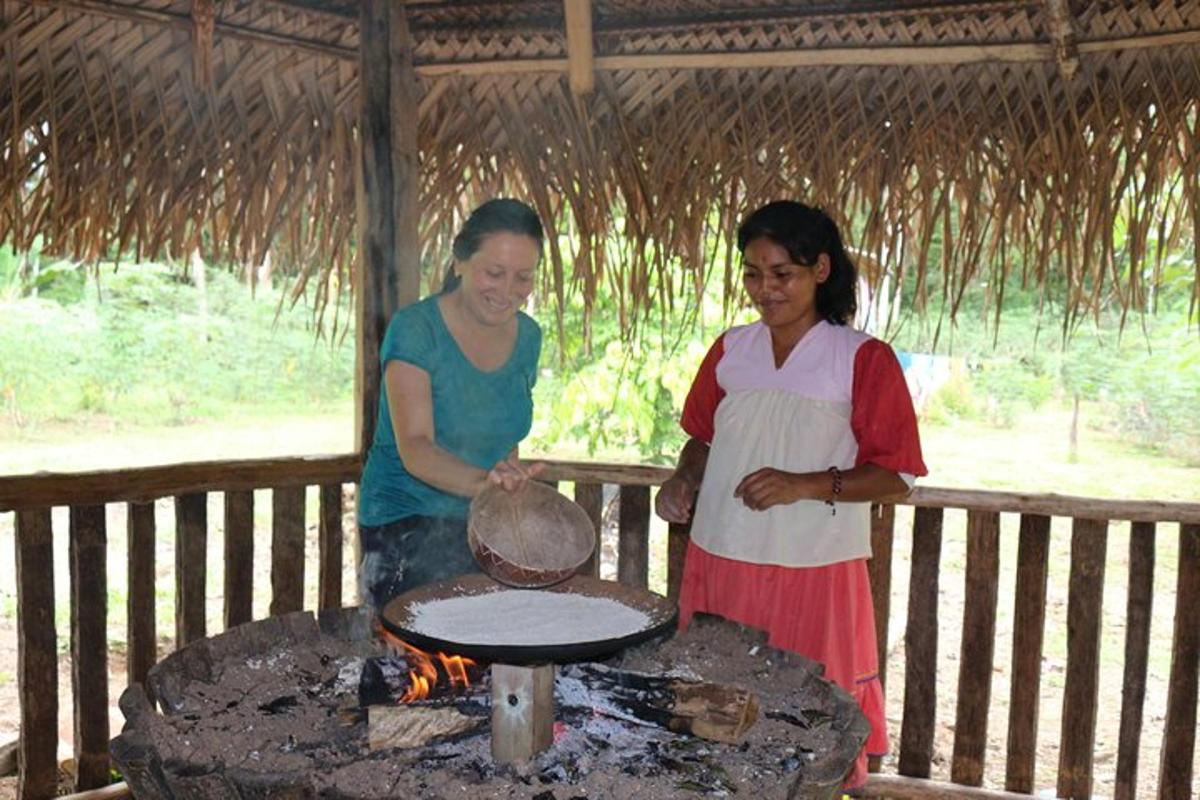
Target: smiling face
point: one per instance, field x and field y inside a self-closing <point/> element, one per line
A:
<point x="784" y="292"/>
<point x="498" y="278"/>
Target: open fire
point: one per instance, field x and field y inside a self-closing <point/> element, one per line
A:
<point x="426" y="671"/>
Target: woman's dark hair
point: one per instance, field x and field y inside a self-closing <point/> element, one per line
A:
<point x="805" y="233"/>
<point x="502" y="215"/>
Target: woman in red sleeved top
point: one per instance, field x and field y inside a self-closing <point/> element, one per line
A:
<point x="797" y="423"/>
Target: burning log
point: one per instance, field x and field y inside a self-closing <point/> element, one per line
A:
<point x="414" y="726"/>
<point x="715" y="711"/>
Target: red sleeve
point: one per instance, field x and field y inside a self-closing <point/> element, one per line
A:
<point x="882" y="417"/>
<point x="700" y="408"/>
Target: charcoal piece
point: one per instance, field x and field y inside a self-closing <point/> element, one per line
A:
<point x="279" y="704"/>
<point x="384" y="680"/>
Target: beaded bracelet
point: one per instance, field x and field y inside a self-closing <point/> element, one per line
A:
<point x="836" y="477"/>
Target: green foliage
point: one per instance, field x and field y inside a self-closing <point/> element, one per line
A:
<point x="953" y="400"/>
<point x="146" y="347"/>
<point x="1013" y="386"/>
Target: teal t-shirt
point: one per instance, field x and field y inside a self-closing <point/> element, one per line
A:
<point x="478" y="416"/>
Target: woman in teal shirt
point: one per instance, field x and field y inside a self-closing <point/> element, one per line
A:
<point x="458" y="375"/>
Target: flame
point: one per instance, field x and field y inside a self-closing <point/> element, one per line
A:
<point x="423" y="672"/>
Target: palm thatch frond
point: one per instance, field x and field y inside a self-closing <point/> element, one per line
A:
<point x="1042" y="144"/>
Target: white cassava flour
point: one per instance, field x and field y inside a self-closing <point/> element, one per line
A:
<point x="526" y="617"/>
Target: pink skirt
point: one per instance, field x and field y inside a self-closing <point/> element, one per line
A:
<point x="822" y="613"/>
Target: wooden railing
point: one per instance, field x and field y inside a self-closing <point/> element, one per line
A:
<point x="189" y="485"/>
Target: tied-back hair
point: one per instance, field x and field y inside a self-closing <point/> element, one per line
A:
<point x="501" y="215"/>
<point x="806" y="232"/>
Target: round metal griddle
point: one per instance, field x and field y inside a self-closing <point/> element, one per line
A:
<point x="397" y="616"/>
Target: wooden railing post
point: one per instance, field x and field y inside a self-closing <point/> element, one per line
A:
<point x="1029" y="624"/>
<point x="191" y="552"/>
<point x="140" y="607"/>
<point x="87" y="556"/>
<point x="921" y="645"/>
<point x="239" y="557"/>
<point x="978" y="647"/>
<point x="633" y="546"/>
<point x="287" y="550"/>
<point x="1089" y="542"/>
<point x="37" y="656"/>
<point x="329" y="546"/>
<point x="1179" y="730"/>
<point x="590" y="497"/>
<point x="879" y="570"/>
<point x="1138" y="613"/>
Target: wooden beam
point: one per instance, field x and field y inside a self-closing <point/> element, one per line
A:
<point x="143" y="484"/>
<point x="1061" y="24"/>
<point x="581" y="65"/>
<point x="183" y="22"/>
<point x="903" y="55"/>
<point x="897" y="56"/>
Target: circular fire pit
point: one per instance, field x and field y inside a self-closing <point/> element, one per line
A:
<point x="273" y="708"/>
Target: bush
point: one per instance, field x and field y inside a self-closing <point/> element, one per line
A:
<point x="954" y="399"/>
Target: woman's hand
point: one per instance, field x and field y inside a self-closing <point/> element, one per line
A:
<point x="768" y="487"/>
<point x="675" y="499"/>
<point x="512" y="475"/>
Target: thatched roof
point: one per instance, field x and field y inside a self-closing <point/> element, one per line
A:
<point x="1019" y="131"/>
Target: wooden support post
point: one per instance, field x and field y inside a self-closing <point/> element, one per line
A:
<point x="287" y="550"/>
<point x="522" y="711"/>
<point x="37" y="656"/>
<point x="89" y="644"/>
<point x="191" y="551"/>
<point x="140" y="609"/>
<point x="389" y="265"/>
<point x="633" y="544"/>
<point x="239" y="557"/>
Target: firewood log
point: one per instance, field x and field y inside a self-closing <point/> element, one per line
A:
<point x="715" y="711"/>
<point x="414" y="726"/>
